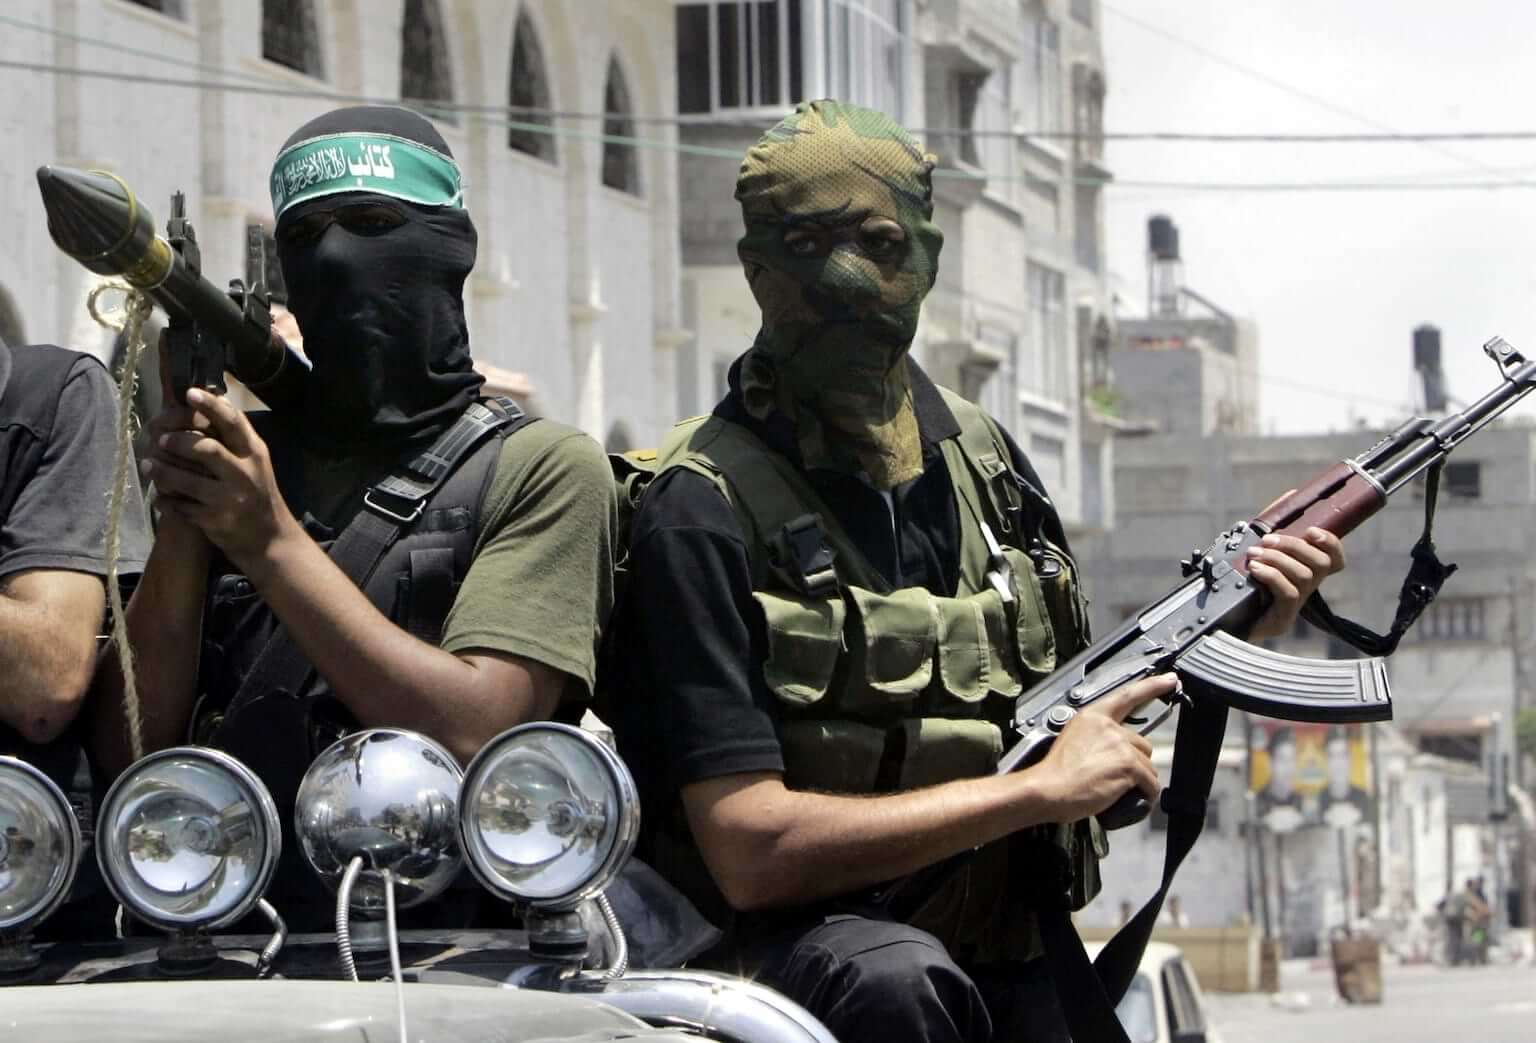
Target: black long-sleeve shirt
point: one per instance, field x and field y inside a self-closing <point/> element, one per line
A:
<point x="693" y="704"/>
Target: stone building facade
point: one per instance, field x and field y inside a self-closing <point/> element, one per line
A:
<point x="1458" y="679"/>
<point x="576" y="283"/>
<point x="995" y="89"/>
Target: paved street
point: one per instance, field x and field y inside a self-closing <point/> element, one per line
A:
<point x="1421" y="1004"/>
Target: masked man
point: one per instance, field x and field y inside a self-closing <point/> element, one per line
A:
<point x="821" y="635"/>
<point x="483" y="607"/>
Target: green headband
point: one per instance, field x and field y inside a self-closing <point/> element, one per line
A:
<point x="363" y="162"/>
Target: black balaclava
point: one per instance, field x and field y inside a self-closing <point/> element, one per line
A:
<point x="381" y="313"/>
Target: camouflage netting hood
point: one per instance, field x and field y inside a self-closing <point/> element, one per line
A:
<point x="839" y="250"/>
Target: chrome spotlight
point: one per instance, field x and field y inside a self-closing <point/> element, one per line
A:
<point x="390" y="797"/>
<point x="548" y="815"/>
<point x="188" y="839"/>
<point x="39" y="847"/>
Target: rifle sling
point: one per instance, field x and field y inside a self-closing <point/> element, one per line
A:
<point x="1425" y="577"/>
<point x="1089" y="990"/>
<point x="391" y="506"/>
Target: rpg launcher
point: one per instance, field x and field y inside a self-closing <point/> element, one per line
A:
<point x="95" y="218"/>
<point x="1197" y="629"/>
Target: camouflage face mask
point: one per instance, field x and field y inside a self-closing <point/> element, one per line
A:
<point x="839" y="250"/>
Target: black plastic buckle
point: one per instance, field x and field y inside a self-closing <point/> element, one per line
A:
<point x="802" y="558"/>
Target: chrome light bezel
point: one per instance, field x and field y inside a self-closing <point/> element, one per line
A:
<point x="434" y="859"/>
<point x="265" y="812"/>
<point x="621" y="786"/>
<point x="59" y="886"/>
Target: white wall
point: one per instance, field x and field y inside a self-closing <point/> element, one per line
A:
<point x="576" y="284"/>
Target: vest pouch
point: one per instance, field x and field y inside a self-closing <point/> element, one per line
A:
<point x="941" y="749"/>
<point x="973" y="643"/>
<point x="805" y="638"/>
<point x="1064" y="599"/>
<point x="832" y="756"/>
<point x="891" y="648"/>
<point x="1088" y="843"/>
<point x="1034" y="638"/>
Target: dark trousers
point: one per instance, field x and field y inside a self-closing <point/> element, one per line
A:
<point x="869" y="979"/>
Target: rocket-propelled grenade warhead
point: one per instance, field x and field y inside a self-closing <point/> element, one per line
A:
<point x="98" y="220"/>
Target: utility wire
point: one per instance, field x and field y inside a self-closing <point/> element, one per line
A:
<point x="1382" y="136"/>
<point x="1317" y="100"/>
<point x="491" y="115"/>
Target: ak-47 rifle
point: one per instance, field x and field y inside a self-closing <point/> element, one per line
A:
<point x="1197" y="631"/>
<point x="95" y="218"/>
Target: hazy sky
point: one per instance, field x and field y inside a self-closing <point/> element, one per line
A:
<point x="1335" y="280"/>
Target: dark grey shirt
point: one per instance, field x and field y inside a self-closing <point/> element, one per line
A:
<point x="59" y="518"/>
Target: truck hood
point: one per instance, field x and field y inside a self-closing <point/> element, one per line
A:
<point x="321" y="1011"/>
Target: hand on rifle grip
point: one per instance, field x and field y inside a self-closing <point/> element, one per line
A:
<point x="1097" y="759"/>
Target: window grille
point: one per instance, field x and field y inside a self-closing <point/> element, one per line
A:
<point x="757" y="56"/>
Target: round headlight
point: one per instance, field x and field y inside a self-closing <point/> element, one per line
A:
<point x="391" y="797"/>
<point x="39" y="845"/>
<point x="548" y="815"/>
<point x="188" y="838"/>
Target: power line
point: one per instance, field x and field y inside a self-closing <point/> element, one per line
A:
<point x="1314" y="99"/>
<point x="1240" y="137"/>
<point x="493" y="115"/>
<point x="260" y="84"/>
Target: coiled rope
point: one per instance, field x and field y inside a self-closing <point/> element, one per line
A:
<point x="136" y="309"/>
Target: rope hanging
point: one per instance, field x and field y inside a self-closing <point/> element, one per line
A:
<point x="130" y="323"/>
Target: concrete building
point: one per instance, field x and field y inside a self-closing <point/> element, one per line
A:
<point x="1188" y="367"/>
<point x="991" y="86"/>
<point x="576" y="283"/>
<point x="1458" y="679"/>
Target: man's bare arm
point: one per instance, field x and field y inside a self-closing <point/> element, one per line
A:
<point x="384" y="675"/>
<point x="165" y="618"/>
<point x="767" y="845"/>
<point x="223" y="487"/>
<point x="48" y="624"/>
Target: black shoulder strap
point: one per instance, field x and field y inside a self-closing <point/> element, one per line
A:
<point x="390" y="507"/>
<point x="1089" y="991"/>
<point x="1426" y="575"/>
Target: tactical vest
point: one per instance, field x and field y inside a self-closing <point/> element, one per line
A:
<point x="279" y="733"/>
<point x="884" y="689"/>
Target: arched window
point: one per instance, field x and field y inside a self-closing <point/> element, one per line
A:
<point x="425" y="75"/>
<point x="529" y="90"/>
<point x="12" y="333"/>
<point x="289" y="36"/>
<point x="166" y="7"/>
<point x="621" y="167"/>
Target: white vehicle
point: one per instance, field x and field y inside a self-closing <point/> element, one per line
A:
<point x="1164" y="1003"/>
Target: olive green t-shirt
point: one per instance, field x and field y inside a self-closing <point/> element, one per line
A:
<point x="540" y="584"/>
